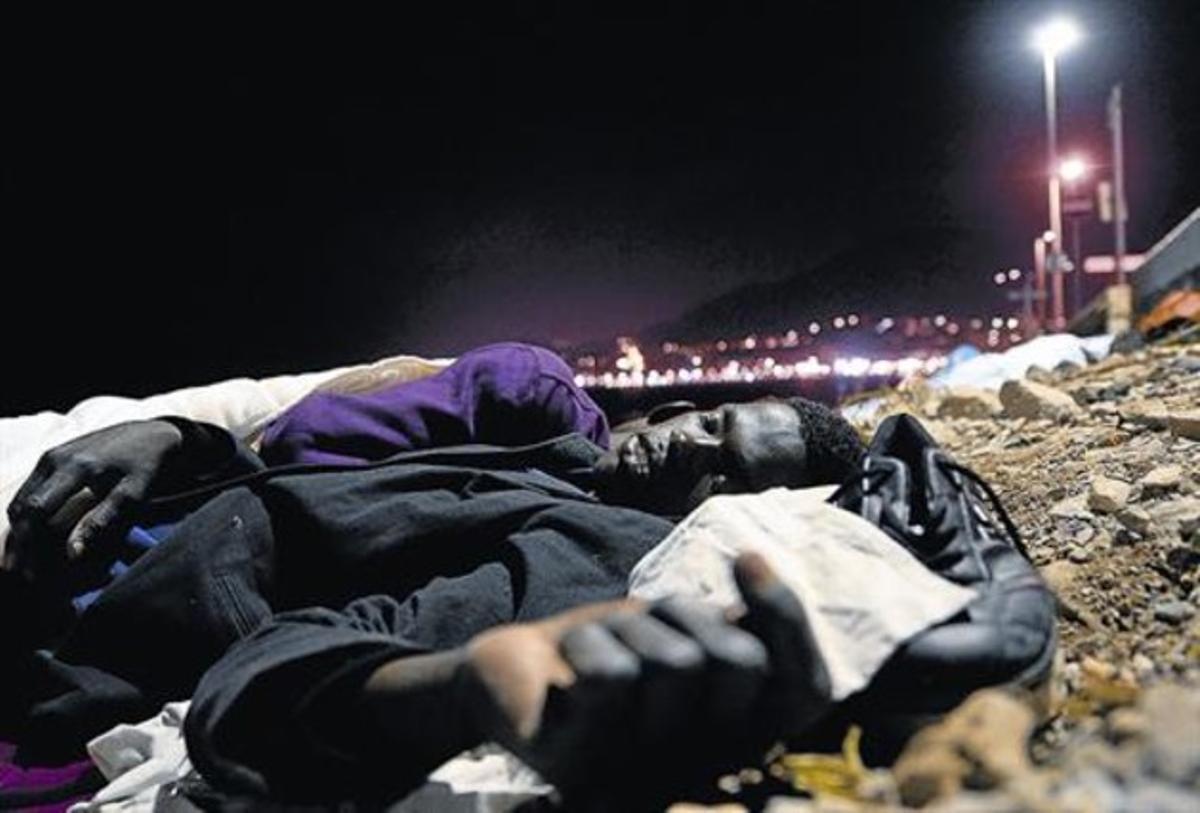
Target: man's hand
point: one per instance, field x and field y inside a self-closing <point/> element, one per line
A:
<point x="84" y="490"/>
<point x="620" y="700"/>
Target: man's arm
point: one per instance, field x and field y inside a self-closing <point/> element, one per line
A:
<point x="87" y="489"/>
<point x="322" y="705"/>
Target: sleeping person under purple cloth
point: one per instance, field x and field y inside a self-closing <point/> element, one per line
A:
<point x="505" y="394"/>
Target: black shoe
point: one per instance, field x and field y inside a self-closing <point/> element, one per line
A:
<point x="953" y="522"/>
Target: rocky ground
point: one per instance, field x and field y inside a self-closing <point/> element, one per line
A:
<point x="1100" y="469"/>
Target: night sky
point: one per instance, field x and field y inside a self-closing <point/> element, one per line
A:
<point x="192" y="199"/>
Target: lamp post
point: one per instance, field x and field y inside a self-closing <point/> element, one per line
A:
<point x="1051" y="40"/>
<point x="1073" y="170"/>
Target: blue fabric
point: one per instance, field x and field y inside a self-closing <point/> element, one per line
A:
<point x="137" y="542"/>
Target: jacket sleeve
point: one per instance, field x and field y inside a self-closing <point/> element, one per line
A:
<point x="276" y="715"/>
<point x="502" y="395"/>
<point x="209" y="454"/>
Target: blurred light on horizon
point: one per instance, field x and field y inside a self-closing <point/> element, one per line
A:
<point x="1056" y="36"/>
<point x="768" y="369"/>
<point x="1072" y="169"/>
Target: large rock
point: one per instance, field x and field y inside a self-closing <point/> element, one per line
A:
<point x="1135" y="519"/>
<point x="984" y="742"/>
<point x="1146" y="414"/>
<point x="1028" y="399"/>
<point x="1161" y="480"/>
<point x="969" y="402"/>
<point x="1183" y="515"/>
<point x="1173" y="717"/>
<point x="1185" y="424"/>
<point x="1108" y="496"/>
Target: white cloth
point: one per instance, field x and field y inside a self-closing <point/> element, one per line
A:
<point x="990" y="370"/>
<point x="244" y="406"/>
<point x="864" y="594"/>
<point x="137" y="760"/>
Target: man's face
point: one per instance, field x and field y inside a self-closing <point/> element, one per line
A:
<point x="671" y="466"/>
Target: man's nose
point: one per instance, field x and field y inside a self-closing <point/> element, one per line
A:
<point x="704" y="449"/>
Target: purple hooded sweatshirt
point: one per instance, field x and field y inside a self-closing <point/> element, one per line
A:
<point x="502" y="395"/>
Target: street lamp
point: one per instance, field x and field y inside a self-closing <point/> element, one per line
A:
<point x="1051" y="40"/>
<point x="1072" y="169"/>
<point x="1056" y="36"/>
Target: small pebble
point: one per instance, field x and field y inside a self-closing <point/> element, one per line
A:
<point x="1173" y="611"/>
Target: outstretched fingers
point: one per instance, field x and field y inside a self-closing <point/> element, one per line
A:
<point x="799" y="692"/>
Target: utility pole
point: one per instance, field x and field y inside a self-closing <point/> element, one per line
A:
<point x="1115" y="123"/>
<point x="1039" y="270"/>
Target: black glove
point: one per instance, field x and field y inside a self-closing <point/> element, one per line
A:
<point x="85" y="491"/>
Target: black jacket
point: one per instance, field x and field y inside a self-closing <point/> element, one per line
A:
<point x="431" y="547"/>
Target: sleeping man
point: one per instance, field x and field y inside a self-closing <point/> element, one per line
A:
<point x="345" y="626"/>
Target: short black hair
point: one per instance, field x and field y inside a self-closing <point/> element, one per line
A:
<point x="834" y="448"/>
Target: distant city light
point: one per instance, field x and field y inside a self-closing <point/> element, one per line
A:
<point x="997" y="322"/>
<point x="1056" y="36"/>
<point x="1013" y="323"/>
<point x="940" y="320"/>
<point x="1014" y="274"/>
<point x="852" y="320"/>
<point x="1072" y="169"/>
<point x="749" y="343"/>
<point x="839" y="323"/>
<point x="814" y="328"/>
<point x="1000" y="278"/>
<point x="1048" y="236"/>
<point x="767" y="368"/>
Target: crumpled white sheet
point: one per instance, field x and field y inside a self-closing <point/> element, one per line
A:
<point x="137" y="760"/>
<point x="863" y="593"/>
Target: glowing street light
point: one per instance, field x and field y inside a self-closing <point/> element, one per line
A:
<point x="1056" y="36"/>
<point x="1072" y="169"/>
<point x="1051" y="40"/>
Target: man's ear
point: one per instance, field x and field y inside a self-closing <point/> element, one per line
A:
<point x="667" y="411"/>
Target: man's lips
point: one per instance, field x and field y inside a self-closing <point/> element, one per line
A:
<point x="637" y="456"/>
